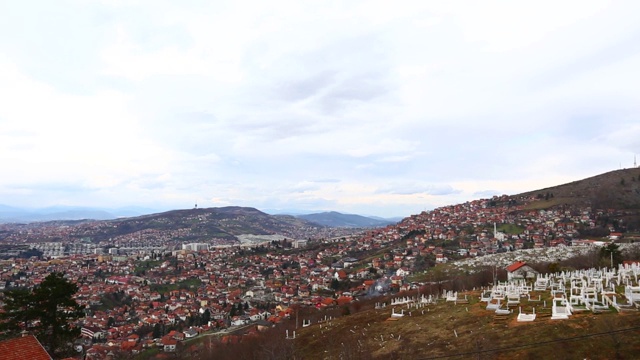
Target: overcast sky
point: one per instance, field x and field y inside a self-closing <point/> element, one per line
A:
<point x="379" y="108"/>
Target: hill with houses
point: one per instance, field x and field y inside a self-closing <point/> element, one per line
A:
<point x="214" y="226"/>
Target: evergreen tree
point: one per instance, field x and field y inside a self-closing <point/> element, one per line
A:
<point x="157" y="331"/>
<point x="56" y="310"/>
<point x="52" y="309"/>
<point x="19" y="311"/>
<point x="206" y="316"/>
<point x="610" y="253"/>
<point x="335" y="284"/>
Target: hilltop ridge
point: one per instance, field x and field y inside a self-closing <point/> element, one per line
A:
<point x="336" y="219"/>
<point x="220" y="226"/>
<point x="618" y="189"/>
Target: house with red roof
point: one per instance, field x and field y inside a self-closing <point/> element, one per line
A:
<point x="615" y="236"/>
<point x="134" y="338"/>
<point x="520" y="270"/>
<point x="340" y="275"/>
<point x="169" y="344"/>
<point x="26" y="347"/>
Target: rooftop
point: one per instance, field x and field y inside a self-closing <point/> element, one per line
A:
<point x="26" y="347"/>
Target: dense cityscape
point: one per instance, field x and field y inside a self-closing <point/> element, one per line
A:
<point x="146" y="291"/>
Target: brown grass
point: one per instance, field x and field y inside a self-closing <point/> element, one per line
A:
<point x="619" y="189"/>
<point x="547" y="204"/>
<point x="368" y="335"/>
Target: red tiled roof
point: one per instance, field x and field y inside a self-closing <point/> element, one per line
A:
<point x="169" y="341"/>
<point x="515" y="266"/>
<point x="27" y="347"/>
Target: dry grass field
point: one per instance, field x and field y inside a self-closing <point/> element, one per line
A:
<point x="469" y="331"/>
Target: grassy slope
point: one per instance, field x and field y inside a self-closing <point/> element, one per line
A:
<point x="479" y="334"/>
<point x="618" y="189"/>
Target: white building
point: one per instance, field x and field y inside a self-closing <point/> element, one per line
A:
<point x="195" y="247"/>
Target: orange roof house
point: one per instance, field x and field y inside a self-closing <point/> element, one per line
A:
<point x="327" y="301"/>
<point x="515" y="266"/>
<point x="520" y="270"/>
<point x="341" y="275"/>
<point x="26" y="347"/>
<point x="344" y="300"/>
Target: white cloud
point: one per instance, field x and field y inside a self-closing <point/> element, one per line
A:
<point x="407" y="107"/>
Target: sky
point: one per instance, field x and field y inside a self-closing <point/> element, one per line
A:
<point x="383" y="108"/>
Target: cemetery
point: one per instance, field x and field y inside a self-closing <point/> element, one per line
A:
<point x="543" y="308"/>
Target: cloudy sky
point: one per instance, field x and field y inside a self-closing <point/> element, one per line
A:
<point x="380" y="108"/>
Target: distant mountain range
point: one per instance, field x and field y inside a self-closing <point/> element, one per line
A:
<point x="223" y="225"/>
<point x="336" y="219"/>
<point x="206" y="223"/>
<point x="11" y="214"/>
<point x="619" y="189"/>
<point x="613" y="190"/>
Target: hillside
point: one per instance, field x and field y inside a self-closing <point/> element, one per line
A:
<point x="191" y="225"/>
<point x="469" y="331"/>
<point x="619" y="189"/>
<point x="223" y="223"/>
<point x="336" y="219"/>
<point x="362" y="330"/>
